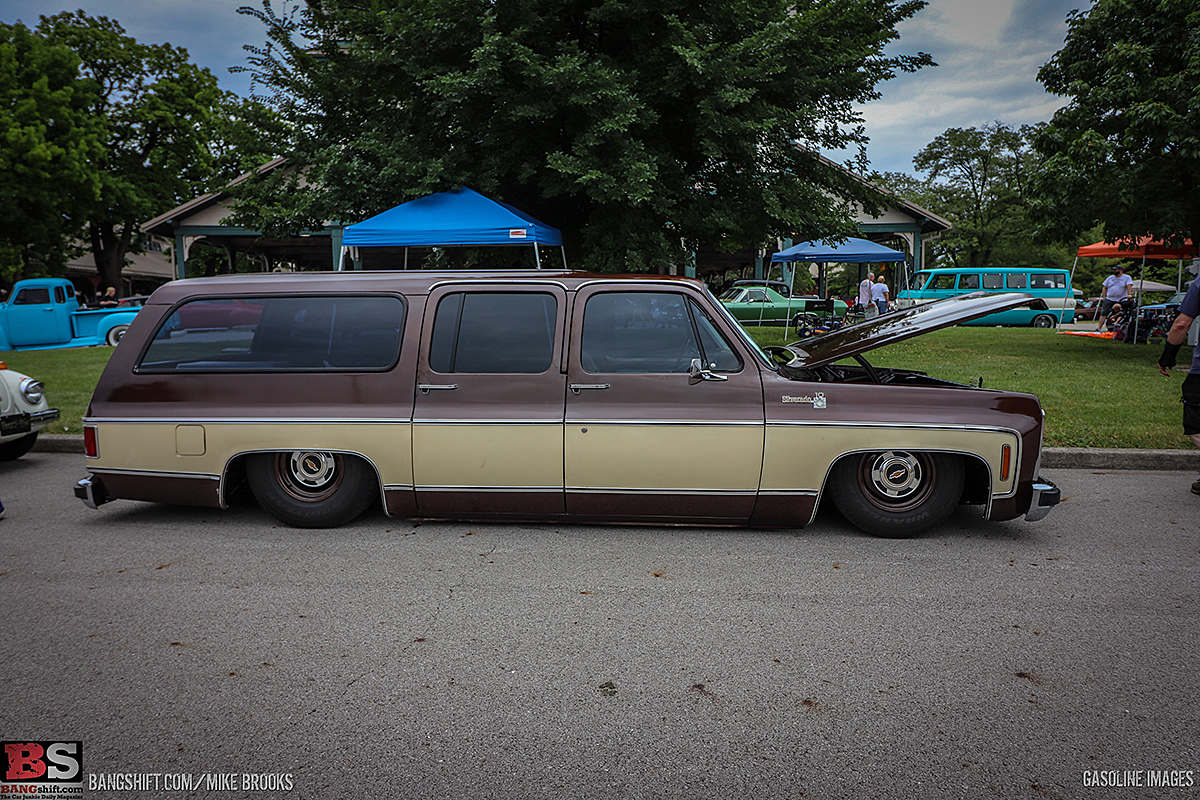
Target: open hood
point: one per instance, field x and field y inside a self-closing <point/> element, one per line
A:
<point x="897" y="326"/>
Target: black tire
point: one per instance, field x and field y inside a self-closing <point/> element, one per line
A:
<point x="897" y="494"/>
<point x="311" y="488"/>
<point x="1043" y="321"/>
<point x="11" y="451"/>
<point x="113" y="337"/>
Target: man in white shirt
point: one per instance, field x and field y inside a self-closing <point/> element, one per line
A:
<point x="864" y="294"/>
<point x="1118" y="288"/>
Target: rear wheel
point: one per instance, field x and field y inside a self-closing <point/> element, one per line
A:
<point x="897" y="494"/>
<point x="311" y="488"/>
<point x="1043" y="321"/>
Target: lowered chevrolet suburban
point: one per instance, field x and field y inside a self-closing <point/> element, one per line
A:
<point x="542" y="395"/>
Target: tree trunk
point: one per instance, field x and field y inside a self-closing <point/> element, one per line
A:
<point x="109" y="247"/>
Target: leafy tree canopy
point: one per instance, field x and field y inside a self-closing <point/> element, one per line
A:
<point x="633" y="126"/>
<point x="167" y="131"/>
<point x="48" y="145"/>
<point x="1126" y="151"/>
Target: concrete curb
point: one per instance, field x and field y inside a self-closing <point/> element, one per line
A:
<point x="1052" y="457"/>
<point x="1115" y="458"/>
<point x="59" y="443"/>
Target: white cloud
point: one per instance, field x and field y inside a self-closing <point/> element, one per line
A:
<point x="988" y="54"/>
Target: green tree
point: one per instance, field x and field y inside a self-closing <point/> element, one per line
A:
<point x="48" y="146"/>
<point x="1125" y="151"/>
<point x="978" y="179"/>
<point x="170" y="131"/>
<point x="638" y="128"/>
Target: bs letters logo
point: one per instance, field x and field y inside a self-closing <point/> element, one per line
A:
<point x="54" y="763"/>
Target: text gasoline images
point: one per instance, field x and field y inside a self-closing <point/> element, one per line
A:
<point x="1125" y="778"/>
<point x="210" y="781"/>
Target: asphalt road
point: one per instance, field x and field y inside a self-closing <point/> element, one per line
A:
<point x="389" y="659"/>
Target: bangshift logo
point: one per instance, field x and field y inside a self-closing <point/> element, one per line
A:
<point x="42" y="762"/>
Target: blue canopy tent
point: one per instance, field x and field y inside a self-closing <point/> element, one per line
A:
<point x="458" y="218"/>
<point x="851" y="251"/>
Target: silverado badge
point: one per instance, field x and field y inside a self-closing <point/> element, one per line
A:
<point x="817" y="400"/>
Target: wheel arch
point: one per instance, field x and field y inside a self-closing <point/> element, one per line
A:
<point x="977" y="479"/>
<point x="233" y="474"/>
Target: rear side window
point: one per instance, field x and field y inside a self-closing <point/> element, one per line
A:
<point x="993" y="280"/>
<point x="278" y="334"/>
<point x="1047" y="280"/>
<point x="494" y="333"/>
<point x="1016" y="280"/>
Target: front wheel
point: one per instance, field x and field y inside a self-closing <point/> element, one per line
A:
<point x="1043" y="321"/>
<point x="113" y="338"/>
<point x="897" y="494"/>
<point x="11" y="451"/>
<point x="310" y="488"/>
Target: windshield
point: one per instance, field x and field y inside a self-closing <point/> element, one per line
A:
<point x="730" y="294"/>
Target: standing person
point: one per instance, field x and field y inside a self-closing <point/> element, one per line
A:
<point x="1189" y="309"/>
<point x="864" y="294"/>
<point x="1117" y="288"/>
<point x="879" y="295"/>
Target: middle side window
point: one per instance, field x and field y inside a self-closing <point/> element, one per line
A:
<point x="493" y="332"/>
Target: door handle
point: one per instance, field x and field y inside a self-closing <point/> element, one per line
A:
<point x="426" y="387"/>
<point x="576" y="388"/>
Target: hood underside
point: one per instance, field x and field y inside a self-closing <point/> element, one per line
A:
<point x="897" y="326"/>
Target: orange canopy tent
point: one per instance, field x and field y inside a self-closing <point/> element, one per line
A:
<point x="1145" y="247"/>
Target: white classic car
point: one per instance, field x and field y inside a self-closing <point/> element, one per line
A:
<point x="23" y="412"/>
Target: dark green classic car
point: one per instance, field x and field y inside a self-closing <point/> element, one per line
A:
<point x="759" y="305"/>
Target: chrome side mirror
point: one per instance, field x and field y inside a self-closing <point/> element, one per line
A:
<point x="697" y="372"/>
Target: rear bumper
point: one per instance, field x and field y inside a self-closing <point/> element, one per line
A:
<point x="1045" y="497"/>
<point x="91" y="491"/>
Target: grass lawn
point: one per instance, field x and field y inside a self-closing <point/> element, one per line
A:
<point x="1096" y="392"/>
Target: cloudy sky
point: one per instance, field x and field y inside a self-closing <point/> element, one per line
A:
<point x="988" y="52"/>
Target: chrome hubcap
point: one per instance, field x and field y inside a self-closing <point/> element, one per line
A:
<point x="312" y="469"/>
<point x="896" y="475"/>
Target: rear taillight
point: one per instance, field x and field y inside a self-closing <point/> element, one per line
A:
<point x="90" y="448"/>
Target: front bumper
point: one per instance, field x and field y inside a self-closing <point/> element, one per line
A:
<point x="1045" y="497"/>
<point x="21" y="424"/>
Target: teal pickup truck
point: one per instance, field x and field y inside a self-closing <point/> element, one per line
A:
<point x="43" y="313"/>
